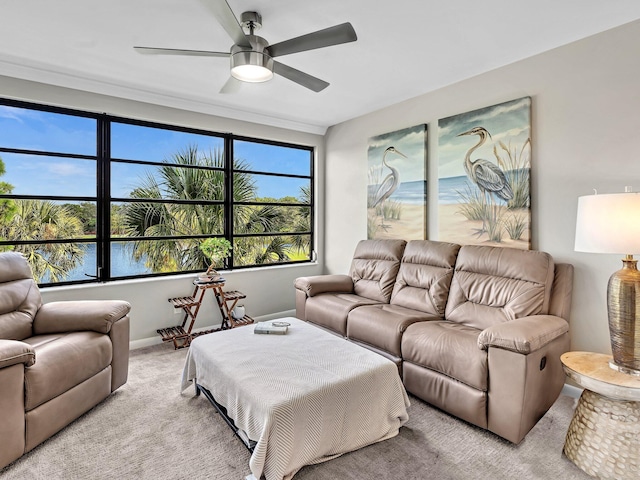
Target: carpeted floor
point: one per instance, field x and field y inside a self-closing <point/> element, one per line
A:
<point x="148" y="430"/>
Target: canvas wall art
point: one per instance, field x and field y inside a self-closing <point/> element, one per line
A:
<point x="397" y="185"/>
<point x="484" y="172"/>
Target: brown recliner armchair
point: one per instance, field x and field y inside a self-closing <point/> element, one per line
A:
<point x="57" y="360"/>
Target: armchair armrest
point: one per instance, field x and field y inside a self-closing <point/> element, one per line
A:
<point x="75" y="315"/>
<point x="324" y="283"/>
<point x="13" y="352"/>
<point x="523" y="335"/>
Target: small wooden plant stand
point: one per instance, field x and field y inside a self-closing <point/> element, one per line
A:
<point x="181" y="335"/>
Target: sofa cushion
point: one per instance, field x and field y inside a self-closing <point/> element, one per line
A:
<point x="317" y="284"/>
<point x="62" y="362"/>
<point x="493" y="285"/>
<point x="447" y="348"/>
<point x="444" y="392"/>
<point x="382" y="326"/>
<point x="76" y="315"/>
<point x="19" y="303"/>
<point x="20" y="299"/>
<point x="424" y="277"/>
<point x="562" y="290"/>
<point x="13" y="352"/>
<point x="330" y="310"/>
<point x="374" y="268"/>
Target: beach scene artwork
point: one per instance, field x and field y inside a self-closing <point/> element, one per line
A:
<point x="484" y="176"/>
<point x="397" y="185"/>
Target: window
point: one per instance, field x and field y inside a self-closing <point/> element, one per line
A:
<point x="48" y="191"/>
<point x="271" y="203"/>
<point x="93" y="198"/>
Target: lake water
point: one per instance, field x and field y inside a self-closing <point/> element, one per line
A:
<point x="122" y="264"/>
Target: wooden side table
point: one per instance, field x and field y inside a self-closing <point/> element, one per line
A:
<point x="604" y="435"/>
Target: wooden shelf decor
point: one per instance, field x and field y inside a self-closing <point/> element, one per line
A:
<point x="181" y="335"/>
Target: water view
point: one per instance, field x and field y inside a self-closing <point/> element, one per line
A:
<point x="122" y="264"/>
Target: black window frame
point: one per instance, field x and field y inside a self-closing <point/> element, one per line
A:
<point x="103" y="199"/>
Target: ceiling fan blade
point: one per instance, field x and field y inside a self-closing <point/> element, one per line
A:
<point x="178" y="51"/>
<point x="335" y="35"/>
<point x="301" y="78"/>
<point x="225" y="16"/>
<point x="231" y="86"/>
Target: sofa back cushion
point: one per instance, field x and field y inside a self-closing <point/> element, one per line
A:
<point x="424" y="277"/>
<point x="493" y="285"/>
<point x="374" y="268"/>
<point x="560" y="303"/>
<point x="19" y="297"/>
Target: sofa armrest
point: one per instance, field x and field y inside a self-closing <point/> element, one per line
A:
<point x="324" y="284"/>
<point x="13" y="352"/>
<point x="523" y="335"/>
<point x="76" y="315"/>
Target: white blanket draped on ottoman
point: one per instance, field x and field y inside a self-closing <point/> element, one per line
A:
<point x="304" y="397"/>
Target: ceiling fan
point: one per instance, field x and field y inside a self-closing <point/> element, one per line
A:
<point x="252" y="58"/>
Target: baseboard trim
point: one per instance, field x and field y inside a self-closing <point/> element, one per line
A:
<point x="156" y="340"/>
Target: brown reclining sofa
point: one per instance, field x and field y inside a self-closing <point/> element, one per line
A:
<point x="57" y="360"/>
<point x="476" y="331"/>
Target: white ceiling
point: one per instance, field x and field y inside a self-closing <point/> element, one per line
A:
<point x="405" y="48"/>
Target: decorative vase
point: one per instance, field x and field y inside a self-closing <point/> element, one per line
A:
<point x="238" y="312"/>
<point x="623" y="304"/>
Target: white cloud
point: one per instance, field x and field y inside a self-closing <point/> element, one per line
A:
<point x="17" y="114"/>
<point x="67" y="169"/>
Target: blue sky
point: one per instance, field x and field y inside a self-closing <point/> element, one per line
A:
<point x="42" y="175"/>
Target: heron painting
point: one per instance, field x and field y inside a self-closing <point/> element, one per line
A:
<point x="396" y="191"/>
<point x="484" y="172"/>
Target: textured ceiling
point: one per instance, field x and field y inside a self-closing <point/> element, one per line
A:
<point x="404" y="49"/>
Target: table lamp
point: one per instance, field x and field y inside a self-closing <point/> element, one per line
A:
<point x="611" y="224"/>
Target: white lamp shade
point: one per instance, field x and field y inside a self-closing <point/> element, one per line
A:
<point x="608" y="224"/>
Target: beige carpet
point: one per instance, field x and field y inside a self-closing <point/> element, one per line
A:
<point x="147" y="430"/>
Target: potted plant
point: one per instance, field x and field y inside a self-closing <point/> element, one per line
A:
<point x="216" y="249"/>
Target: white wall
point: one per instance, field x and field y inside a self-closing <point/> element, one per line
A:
<point x="269" y="290"/>
<point x="586" y="130"/>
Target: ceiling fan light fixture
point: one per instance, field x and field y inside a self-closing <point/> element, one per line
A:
<point x="251" y="55"/>
<point x="251" y="66"/>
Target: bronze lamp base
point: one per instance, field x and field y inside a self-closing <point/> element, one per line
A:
<point x="623" y="305"/>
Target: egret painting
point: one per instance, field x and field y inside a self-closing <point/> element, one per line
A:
<point x="484" y="176"/>
<point x="397" y="185"/>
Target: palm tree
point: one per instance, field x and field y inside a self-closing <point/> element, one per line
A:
<point x="45" y="220"/>
<point x="302" y="243"/>
<point x="257" y="249"/>
<point x="7" y="206"/>
<point x="154" y="219"/>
